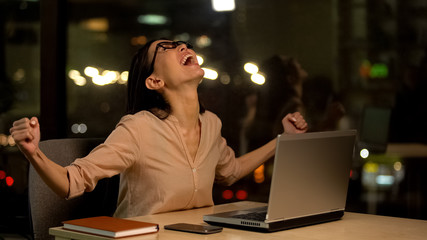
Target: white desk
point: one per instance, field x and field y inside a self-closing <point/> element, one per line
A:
<point x="351" y="226"/>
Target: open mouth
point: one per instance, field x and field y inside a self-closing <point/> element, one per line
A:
<point x="188" y="60"/>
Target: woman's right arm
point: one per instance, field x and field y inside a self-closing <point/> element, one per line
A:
<point x="26" y="133"/>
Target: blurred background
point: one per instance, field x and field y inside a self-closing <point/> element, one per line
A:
<point x="346" y="64"/>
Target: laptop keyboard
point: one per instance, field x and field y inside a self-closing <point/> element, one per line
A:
<point x="256" y="216"/>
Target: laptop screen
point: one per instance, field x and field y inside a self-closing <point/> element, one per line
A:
<point x="311" y="174"/>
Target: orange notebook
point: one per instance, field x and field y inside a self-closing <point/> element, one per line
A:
<point x="110" y="226"/>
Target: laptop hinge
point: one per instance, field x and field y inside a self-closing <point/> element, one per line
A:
<point x="302" y="216"/>
<point x="274" y="220"/>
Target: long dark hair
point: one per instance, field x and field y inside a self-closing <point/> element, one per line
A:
<point x="139" y="96"/>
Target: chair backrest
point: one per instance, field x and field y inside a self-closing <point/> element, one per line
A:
<point x="48" y="209"/>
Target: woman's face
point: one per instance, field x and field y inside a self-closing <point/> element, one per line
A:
<point x="175" y="66"/>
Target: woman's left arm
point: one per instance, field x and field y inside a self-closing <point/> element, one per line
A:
<point x="292" y="123"/>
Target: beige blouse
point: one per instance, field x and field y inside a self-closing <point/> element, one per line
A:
<point x="157" y="172"/>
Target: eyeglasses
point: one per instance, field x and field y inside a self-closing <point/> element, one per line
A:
<point x="168" y="45"/>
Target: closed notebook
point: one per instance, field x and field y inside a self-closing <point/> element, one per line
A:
<point x="110" y="226"/>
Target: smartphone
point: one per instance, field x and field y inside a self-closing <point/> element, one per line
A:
<point x="194" y="228"/>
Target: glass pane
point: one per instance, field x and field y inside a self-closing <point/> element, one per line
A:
<point x="334" y="61"/>
<point x="19" y="97"/>
<point x="98" y="57"/>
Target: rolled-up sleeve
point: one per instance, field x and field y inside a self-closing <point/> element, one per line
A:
<point x="116" y="154"/>
<point x="77" y="186"/>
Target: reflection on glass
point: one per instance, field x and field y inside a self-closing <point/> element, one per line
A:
<point x="251" y="68"/>
<point x="210" y="74"/>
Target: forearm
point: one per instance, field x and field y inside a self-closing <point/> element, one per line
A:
<point x="54" y="175"/>
<point x="250" y="161"/>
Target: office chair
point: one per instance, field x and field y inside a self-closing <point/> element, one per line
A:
<point x="48" y="209"/>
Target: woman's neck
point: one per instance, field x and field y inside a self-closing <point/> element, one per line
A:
<point x="185" y="107"/>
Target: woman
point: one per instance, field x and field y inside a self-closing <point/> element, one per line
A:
<point x="168" y="149"/>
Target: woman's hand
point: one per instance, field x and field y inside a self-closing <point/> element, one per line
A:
<point x="294" y="123"/>
<point x="26" y="133"/>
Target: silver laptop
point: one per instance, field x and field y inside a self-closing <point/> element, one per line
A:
<point x="309" y="184"/>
